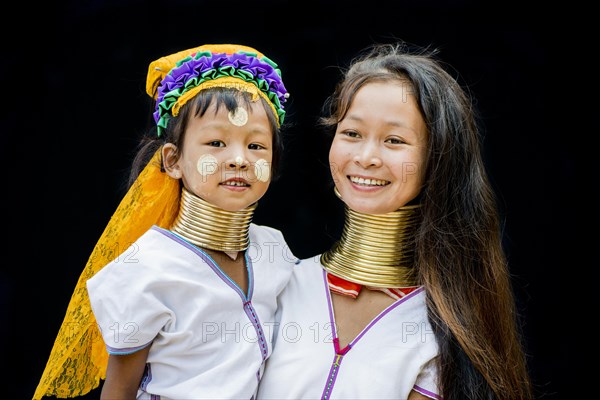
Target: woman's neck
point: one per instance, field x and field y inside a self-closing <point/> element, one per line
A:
<point x="376" y="250"/>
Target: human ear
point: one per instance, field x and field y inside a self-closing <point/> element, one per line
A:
<point x="170" y="160"/>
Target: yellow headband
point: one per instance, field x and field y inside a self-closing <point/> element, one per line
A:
<point x="226" y="82"/>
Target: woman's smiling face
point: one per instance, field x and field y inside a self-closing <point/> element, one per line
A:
<point x="378" y="152"/>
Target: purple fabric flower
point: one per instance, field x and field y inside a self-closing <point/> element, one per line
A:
<point x="205" y="66"/>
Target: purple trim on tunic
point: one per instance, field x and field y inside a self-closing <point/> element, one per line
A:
<point x="260" y="335"/>
<point x="128" y="350"/>
<point x="381" y="315"/>
<point x="212" y="263"/>
<point x="329" y="303"/>
<point x="146" y="378"/>
<point x="427" y="393"/>
<point x="250" y="269"/>
<point x="248" y="307"/>
<point x="385" y="312"/>
<point x="339" y="354"/>
<point x="332" y="376"/>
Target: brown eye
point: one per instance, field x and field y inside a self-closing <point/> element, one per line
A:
<point x="395" y="140"/>
<point x="351" y="134"/>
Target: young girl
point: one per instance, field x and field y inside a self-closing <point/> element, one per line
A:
<point x="182" y="285"/>
<point x="414" y="301"/>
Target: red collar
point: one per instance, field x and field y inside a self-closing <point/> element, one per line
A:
<point x="347" y="288"/>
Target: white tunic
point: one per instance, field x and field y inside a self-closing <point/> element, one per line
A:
<point x="394" y="354"/>
<point x="209" y="339"/>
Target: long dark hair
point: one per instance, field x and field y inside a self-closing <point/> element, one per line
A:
<point x="459" y="255"/>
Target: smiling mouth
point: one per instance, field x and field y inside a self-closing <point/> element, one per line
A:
<point x="368" y="182"/>
<point x="235" y="183"/>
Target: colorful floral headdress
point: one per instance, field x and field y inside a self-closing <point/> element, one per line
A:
<point x="175" y="79"/>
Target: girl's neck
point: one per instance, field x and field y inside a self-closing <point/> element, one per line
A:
<point x="211" y="227"/>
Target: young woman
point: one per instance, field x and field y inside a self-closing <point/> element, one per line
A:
<point x="182" y="283"/>
<point x="414" y="301"/>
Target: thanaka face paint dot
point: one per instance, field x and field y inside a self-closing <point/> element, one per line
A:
<point x="262" y="170"/>
<point x="207" y="164"/>
<point x="238" y="117"/>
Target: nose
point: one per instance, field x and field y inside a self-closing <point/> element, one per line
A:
<point x="237" y="160"/>
<point x="368" y="156"/>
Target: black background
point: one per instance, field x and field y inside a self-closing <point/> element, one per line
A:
<point x="75" y="105"/>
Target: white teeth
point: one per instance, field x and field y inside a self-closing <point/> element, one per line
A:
<point x="236" y="183"/>
<point x="368" y="182"/>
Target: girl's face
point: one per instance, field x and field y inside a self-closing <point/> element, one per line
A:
<point x="226" y="157"/>
<point x="378" y="152"/>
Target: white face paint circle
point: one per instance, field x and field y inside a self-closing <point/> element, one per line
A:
<point x="207" y="164"/>
<point x="238" y="117"/>
<point x="262" y="170"/>
<point x="239" y="160"/>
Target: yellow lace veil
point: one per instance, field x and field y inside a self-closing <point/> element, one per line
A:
<point x="79" y="358"/>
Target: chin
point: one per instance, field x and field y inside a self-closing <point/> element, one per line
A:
<point x="367" y="207"/>
<point x="367" y="204"/>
